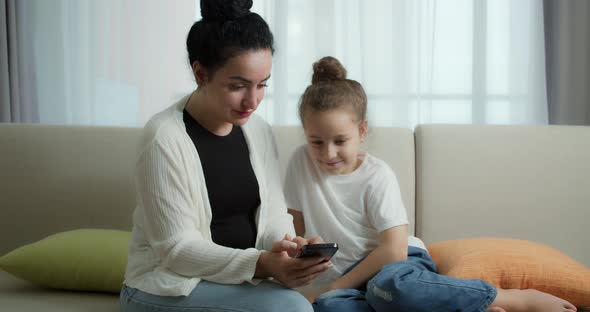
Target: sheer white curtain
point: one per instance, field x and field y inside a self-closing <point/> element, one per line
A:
<point x="114" y="62"/>
<point x="109" y="62"/>
<point x="420" y="61"/>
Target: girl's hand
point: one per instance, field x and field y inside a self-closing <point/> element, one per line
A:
<point x="291" y="272"/>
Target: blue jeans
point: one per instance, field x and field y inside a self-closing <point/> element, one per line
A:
<point x="412" y="285"/>
<point x="208" y="296"/>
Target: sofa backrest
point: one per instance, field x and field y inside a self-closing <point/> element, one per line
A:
<point x="511" y="181"/>
<point x="57" y="178"/>
<point x="526" y="182"/>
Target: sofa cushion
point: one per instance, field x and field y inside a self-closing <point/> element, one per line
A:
<point x="516" y="264"/>
<point x="85" y="259"/>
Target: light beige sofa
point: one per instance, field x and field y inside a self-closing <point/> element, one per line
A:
<point x="527" y="182"/>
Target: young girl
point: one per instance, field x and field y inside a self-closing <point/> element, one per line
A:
<point x="353" y="199"/>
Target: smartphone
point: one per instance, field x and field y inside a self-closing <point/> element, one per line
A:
<point x="326" y="250"/>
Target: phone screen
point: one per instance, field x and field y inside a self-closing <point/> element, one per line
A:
<point x="326" y="250"/>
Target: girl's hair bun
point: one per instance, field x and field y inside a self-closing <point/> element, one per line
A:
<point x="326" y="69"/>
<point x="224" y="10"/>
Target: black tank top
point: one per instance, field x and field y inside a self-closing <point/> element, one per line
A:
<point x="231" y="184"/>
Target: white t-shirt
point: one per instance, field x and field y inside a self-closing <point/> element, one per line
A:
<point x="350" y="209"/>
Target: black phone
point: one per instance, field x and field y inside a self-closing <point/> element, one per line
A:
<point x="326" y="250"/>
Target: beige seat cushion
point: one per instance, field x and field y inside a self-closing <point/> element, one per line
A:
<point x="19" y="295"/>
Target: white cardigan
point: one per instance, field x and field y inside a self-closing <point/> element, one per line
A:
<point x="171" y="248"/>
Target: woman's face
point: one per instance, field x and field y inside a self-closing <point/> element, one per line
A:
<point x="234" y="91"/>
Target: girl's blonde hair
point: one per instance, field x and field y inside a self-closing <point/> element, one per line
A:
<point x="330" y="90"/>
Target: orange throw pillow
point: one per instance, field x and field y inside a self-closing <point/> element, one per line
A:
<point x="516" y="264"/>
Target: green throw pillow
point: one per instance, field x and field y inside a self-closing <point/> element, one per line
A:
<point x="84" y="259"/>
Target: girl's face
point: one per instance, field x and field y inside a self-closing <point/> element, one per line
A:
<point x="236" y="89"/>
<point x="334" y="137"/>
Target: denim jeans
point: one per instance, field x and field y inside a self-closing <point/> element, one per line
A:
<point x="208" y="296"/>
<point x="412" y="285"/>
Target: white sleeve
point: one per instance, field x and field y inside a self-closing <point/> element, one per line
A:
<point x="385" y="208"/>
<point x="169" y="224"/>
<point x="279" y="222"/>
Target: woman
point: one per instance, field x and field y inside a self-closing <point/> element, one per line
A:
<point x="211" y="225"/>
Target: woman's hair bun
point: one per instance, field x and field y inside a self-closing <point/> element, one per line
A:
<point x="223" y="10"/>
<point x="328" y="68"/>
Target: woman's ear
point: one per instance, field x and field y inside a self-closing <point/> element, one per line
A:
<point x="200" y="74"/>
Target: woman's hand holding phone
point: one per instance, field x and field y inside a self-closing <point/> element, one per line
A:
<point x="313" y="247"/>
<point x="300" y="241"/>
<point x="291" y="272"/>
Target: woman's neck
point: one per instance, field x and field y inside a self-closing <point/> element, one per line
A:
<point x="200" y="109"/>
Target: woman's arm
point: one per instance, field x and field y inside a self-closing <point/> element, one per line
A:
<point x="393" y="246"/>
<point x="171" y="222"/>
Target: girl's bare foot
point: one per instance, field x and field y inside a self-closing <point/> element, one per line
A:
<point x="530" y="300"/>
<point x="495" y="309"/>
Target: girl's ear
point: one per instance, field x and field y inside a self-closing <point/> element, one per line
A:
<point x="200" y="74"/>
<point x="363" y="129"/>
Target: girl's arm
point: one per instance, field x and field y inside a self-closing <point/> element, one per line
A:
<point x="298" y="222"/>
<point x="393" y="246"/>
<point x="278" y="221"/>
